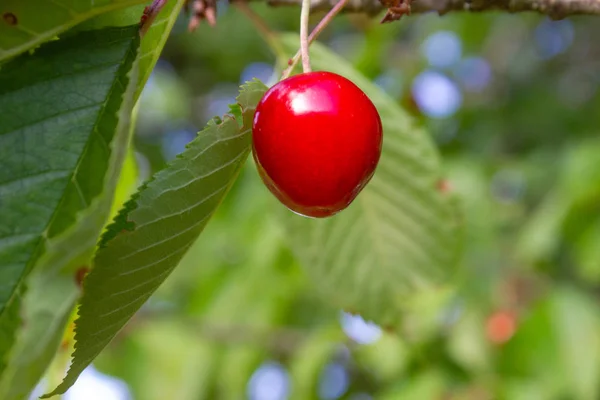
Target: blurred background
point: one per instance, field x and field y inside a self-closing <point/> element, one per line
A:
<point x="513" y="103"/>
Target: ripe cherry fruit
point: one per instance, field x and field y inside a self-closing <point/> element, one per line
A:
<point x="316" y="142"/>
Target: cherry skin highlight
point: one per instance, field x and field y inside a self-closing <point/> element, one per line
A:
<point x="316" y="142"/>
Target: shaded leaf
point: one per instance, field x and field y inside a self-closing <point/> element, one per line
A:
<point x="401" y="234"/>
<point x="37" y="21"/>
<point x="63" y="136"/>
<point x="156" y="228"/>
<point x="9" y="323"/>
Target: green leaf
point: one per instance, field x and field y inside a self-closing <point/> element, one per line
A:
<point x="310" y="359"/>
<point x="153" y="41"/>
<point x="558" y="346"/>
<point x="232" y="383"/>
<point x="165" y="368"/>
<point x="156" y="228"/>
<point x="9" y="322"/>
<point x="468" y="344"/>
<point x="559" y="216"/>
<point x="251" y="304"/>
<point x="51" y="296"/>
<point x="401" y="234"/>
<point x="577" y="327"/>
<point x="387" y="359"/>
<point x="39" y="340"/>
<point x="63" y="135"/>
<point x="430" y="384"/>
<point x="37" y="21"/>
<point x="46" y="310"/>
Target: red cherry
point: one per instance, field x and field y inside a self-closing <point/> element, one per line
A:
<point x="316" y="142"/>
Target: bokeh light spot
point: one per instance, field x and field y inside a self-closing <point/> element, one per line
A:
<point x="553" y="37"/>
<point x="474" y="73"/>
<point x="269" y="382"/>
<point x="442" y="49"/>
<point x="501" y="326"/>
<point x="436" y="95"/>
<point x="359" y="330"/>
<point x="174" y="142"/>
<point x="259" y="70"/>
<point x="219" y="99"/>
<point x="334" y="382"/>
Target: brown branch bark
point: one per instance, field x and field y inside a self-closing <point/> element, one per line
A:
<point x="555" y="9"/>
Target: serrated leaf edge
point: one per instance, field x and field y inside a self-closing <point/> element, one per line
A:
<point x="120" y="222"/>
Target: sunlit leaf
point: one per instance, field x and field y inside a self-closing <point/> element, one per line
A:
<point x="37" y="21"/>
<point x="156" y="228"/>
<point x="63" y="134"/>
<point x="153" y="41"/>
<point x="401" y="234"/>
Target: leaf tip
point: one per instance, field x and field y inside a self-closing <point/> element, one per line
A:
<point x="250" y="94"/>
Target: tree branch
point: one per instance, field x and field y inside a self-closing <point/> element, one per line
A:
<point x="555" y="9"/>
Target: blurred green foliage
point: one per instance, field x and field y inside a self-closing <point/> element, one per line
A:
<point x="521" y="150"/>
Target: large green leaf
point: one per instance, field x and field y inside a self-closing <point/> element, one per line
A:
<point x="37" y="21"/>
<point x="50" y="301"/>
<point x="400" y="236"/>
<point x="63" y="136"/>
<point x="156" y="228"/>
<point x="39" y="338"/>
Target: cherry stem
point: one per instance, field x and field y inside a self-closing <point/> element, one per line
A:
<point x="314" y="34"/>
<point x="304" y="17"/>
